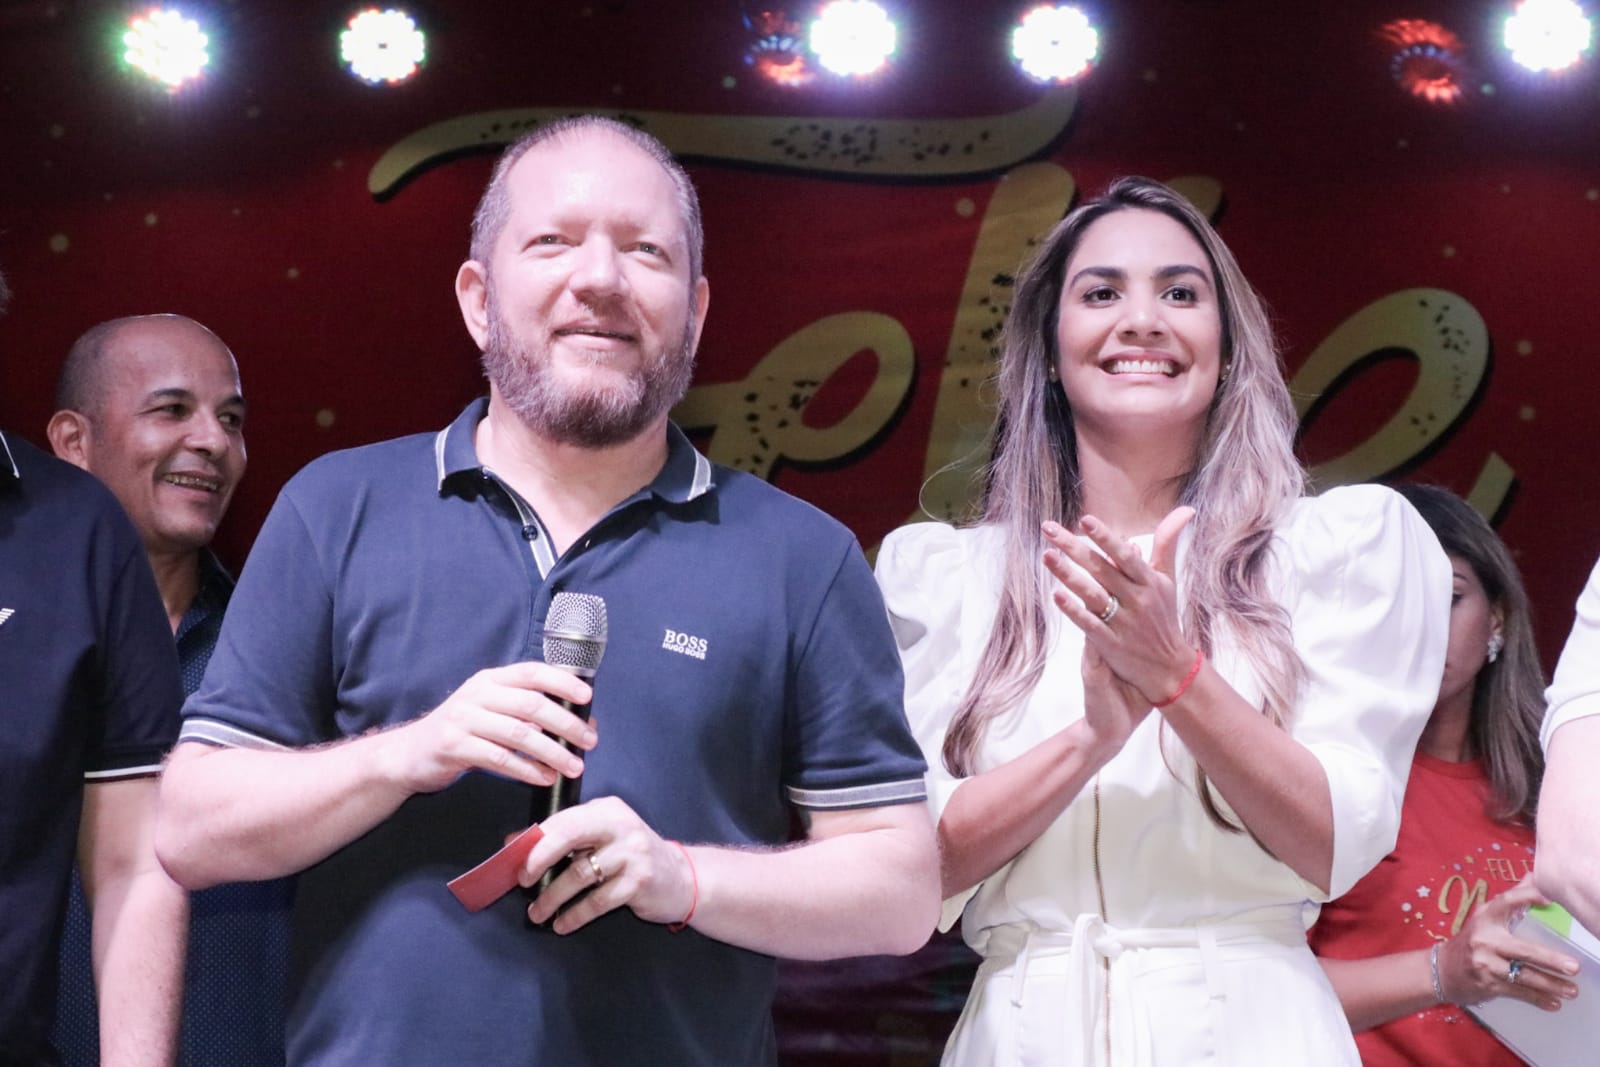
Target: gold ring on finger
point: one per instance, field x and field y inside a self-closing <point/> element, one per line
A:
<point x="1112" y="607"/>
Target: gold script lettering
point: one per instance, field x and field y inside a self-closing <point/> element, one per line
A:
<point x="1447" y="337"/>
<point x="759" y="420"/>
<point x="1471" y="896"/>
<point x="1026" y="203"/>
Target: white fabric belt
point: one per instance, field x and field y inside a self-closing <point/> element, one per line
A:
<point x="1092" y="939"/>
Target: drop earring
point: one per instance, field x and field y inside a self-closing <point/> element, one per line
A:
<point x="1496" y="643"/>
<point x="1050" y="373"/>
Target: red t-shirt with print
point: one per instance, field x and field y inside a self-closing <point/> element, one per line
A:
<point x="1450" y="858"/>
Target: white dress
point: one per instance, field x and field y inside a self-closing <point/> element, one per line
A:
<point x="1200" y="955"/>
<point x="1574" y="692"/>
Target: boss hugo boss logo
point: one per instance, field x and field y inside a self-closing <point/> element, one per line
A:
<point x="684" y="644"/>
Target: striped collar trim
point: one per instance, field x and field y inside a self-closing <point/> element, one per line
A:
<point x="8" y="462"/>
<point x="687" y="474"/>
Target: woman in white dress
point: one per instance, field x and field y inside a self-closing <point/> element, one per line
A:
<point x="1168" y="702"/>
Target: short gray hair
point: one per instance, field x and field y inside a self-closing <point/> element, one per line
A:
<point x="495" y="206"/>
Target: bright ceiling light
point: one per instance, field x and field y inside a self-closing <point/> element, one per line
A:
<point x="1055" y="43"/>
<point x="852" y="37"/>
<point x="1548" y="34"/>
<point x="382" y="46"/>
<point x="167" y="46"/>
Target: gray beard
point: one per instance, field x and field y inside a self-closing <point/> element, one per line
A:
<point x="597" y="418"/>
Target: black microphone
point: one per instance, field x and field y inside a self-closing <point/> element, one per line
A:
<point x="574" y="641"/>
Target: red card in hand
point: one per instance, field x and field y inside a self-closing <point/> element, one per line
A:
<point x="497" y="875"/>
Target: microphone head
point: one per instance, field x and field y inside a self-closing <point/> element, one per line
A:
<point x="575" y="633"/>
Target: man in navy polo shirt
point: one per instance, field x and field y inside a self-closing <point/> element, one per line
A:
<point x="89" y="701"/>
<point x="152" y="406"/>
<point x="371" y="715"/>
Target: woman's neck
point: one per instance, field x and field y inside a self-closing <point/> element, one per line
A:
<point x="1131" y="489"/>
<point x="1448" y="735"/>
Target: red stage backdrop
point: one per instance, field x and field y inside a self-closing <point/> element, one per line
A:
<point x="1429" y="266"/>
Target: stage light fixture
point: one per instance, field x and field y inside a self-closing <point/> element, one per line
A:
<point x="1548" y="35"/>
<point x="382" y="47"/>
<point x="1054" y="43"/>
<point x="852" y="37"/>
<point x="779" y="52"/>
<point x="1427" y="62"/>
<point x="167" y="46"/>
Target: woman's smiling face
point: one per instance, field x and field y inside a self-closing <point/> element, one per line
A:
<point x="1139" y="326"/>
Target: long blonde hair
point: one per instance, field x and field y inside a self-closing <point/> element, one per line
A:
<point x="1244" y="481"/>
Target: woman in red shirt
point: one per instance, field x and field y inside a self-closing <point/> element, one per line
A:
<point x="1428" y="929"/>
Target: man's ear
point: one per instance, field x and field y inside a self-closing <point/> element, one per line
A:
<point x="70" y="437"/>
<point x="472" y="294"/>
<point x="702" y="303"/>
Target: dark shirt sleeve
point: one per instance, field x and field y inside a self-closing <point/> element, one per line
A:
<point x="849" y="744"/>
<point x="270" y="680"/>
<point x="140" y="692"/>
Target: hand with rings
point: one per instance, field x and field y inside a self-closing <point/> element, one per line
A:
<point x="1486" y="960"/>
<point x="1126" y="607"/>
<point x="594" y="865"/>
<point x="617" y="861"/>
<point x="1112" y="606"/>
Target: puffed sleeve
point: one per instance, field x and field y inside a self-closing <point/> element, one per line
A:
<point x="1371" y="620"/>
<point x="1574" y="692"/>
<point x="920" y="571"/>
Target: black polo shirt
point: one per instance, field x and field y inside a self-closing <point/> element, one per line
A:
<point x="89" y="692"/>
<point x="750" y="669"/>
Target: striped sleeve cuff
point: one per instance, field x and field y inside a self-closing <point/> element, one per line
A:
<point x="881" y="794"/>
<point x="225" y="735"/>
<point x="122" y="774"/>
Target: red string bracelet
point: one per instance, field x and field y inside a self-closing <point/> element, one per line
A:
<point x="694" y="898"/>
<point x="1199" y="658"/>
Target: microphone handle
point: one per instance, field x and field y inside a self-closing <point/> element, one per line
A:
<point x="565" y="793"/>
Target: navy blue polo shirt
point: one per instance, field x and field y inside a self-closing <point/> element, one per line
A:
<point x="237" y="962"/>
<point x="89" y="693"/>
<point x="750" y="669"/>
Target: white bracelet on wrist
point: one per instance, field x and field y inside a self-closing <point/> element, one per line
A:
<point x="1433" y="971"/>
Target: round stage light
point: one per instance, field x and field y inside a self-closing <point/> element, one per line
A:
<point x="778" y="53"/>
<point x="852" y="37"/>
<point x="1427" y="62"/>
<point x="1548" y="35"/>
<point x="1055" y="43"/>
<point x="382" y="46"/>
<point x="167" y="46"/>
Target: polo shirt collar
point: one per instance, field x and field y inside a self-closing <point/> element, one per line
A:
<point x="686" y="475"/>
<point x="216" y="585"/>
<point x="8" y="463"/>
<point x="453" y="449"/>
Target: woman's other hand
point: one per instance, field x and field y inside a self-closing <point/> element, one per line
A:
<point x="1126" y="607"/>
<point x="1486" y="960"/>
<point x="1112" y="709"/>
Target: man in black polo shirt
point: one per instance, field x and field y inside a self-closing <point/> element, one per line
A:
<point x="152" y="406"/>
<point x="89" y="702"/>
<point x="371" y="716"/>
